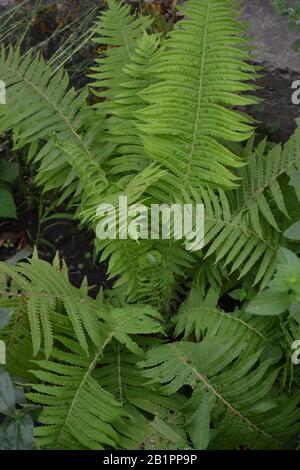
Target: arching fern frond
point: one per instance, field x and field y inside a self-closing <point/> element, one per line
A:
<point x="77" y="411"/>
<point x="92" y="179"/>
<point x="246" y="228"/>
<point x="228" y="367"/>
<point x="200" y="315"/>
<point x="231" y="239"/>
<point x="85" y="412"/>
<point x="43" y="286"/>
<point x="200" y="75"/>
<point x="39" y="105"/>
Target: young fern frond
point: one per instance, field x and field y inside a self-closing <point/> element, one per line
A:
<point x="129" y="155"/>
<point x="200" y="74"/>
<point x="147" y="278"/>
<point x="117" y="31"/>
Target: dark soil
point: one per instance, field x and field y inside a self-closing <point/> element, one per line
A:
<point x="276" y="114"/>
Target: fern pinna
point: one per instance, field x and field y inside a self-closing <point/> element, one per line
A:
<point x="157" y="353"/>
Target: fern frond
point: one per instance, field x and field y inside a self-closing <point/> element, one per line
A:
<point x="92" y="179"/>
<point x="132" y="320"/>
<point x="230" y="239"/>
<point x="234" y="363"/>
<point x="263" y="179"/>
<point x="120" y="375"/>
<point x="160" y="270"/>
<point x="118" y="32"/>
<point x="85" y="413"/>
<point x="39" y="104"/>
<point x="244" y="229"/>
<point x="228" y="367"/>
<point x="76" y="408"/>
<point x="148" y="271"/>
<point x="129" y="155"/>
<point x="200" y="74"/>
<point x="133" y="262"/>
<point x="44" y="287"/>
<point x="200" y="315"/>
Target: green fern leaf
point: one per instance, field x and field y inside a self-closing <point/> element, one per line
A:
<point x="47" y="107"/>
<point x="119" y="32"/>
<point x="228" y="369"/>
<point x="202" y="69"/>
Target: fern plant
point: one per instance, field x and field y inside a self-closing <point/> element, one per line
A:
<point x="157" y="353"/>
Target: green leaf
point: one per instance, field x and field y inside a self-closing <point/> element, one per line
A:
<point x="7" y="203"/>
<point x="17" y="434"/>
<point x="287" y="276"/>
<point x="286" y="256"/>
<point x="293" y="232"/>
<point x="8" y="171"/>
<point x="200" y="433"/>
<point x="7" y="393"/>
<point x="269" y="302"/>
